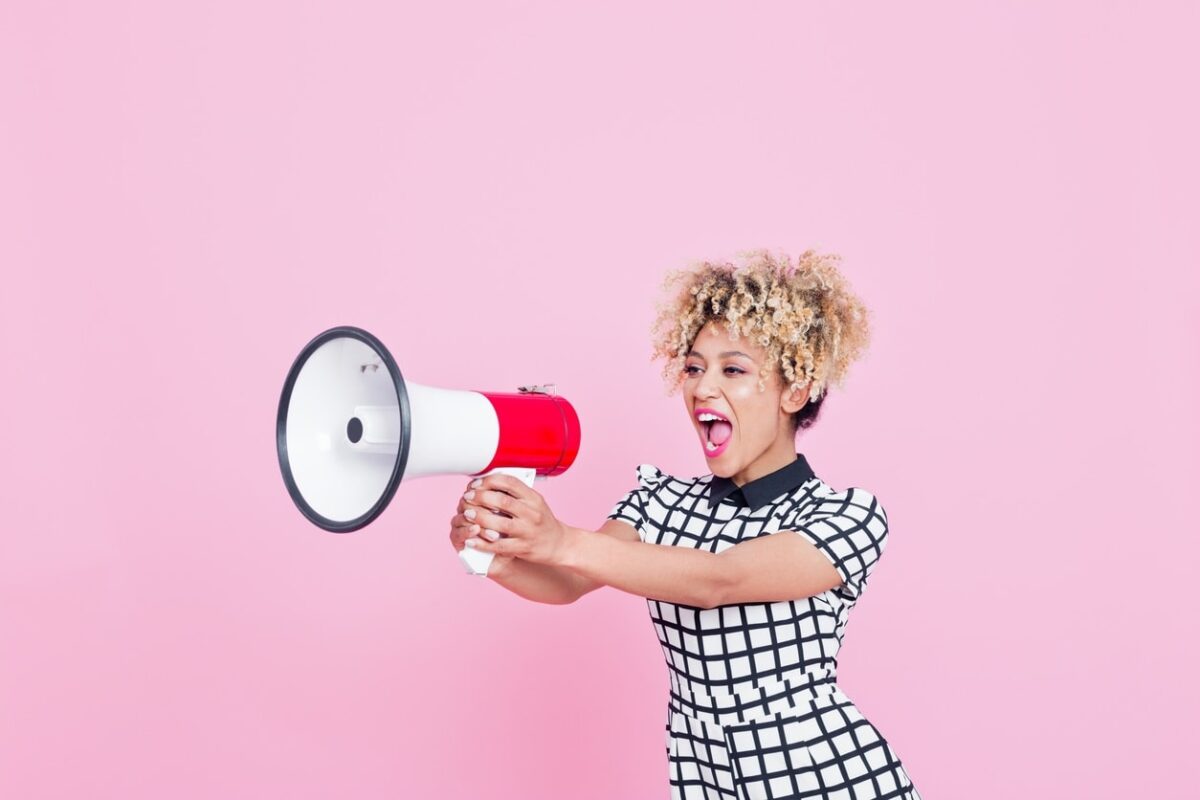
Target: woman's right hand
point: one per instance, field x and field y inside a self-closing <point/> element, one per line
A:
<point x="462" y="529"/>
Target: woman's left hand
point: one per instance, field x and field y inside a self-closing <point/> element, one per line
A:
<point x="529" y="531"/>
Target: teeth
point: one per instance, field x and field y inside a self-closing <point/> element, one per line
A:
<point x="710" y="445"/>
<point x="706" y="417"/>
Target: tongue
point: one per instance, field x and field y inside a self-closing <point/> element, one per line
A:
<point x="719" y="433"/>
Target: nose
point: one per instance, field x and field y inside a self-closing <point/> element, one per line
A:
<point x="706" y="387"/>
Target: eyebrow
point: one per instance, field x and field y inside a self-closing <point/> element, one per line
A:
<point x="726" y="354"/>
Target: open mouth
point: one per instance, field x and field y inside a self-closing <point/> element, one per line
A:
<point x="715" y="431"/>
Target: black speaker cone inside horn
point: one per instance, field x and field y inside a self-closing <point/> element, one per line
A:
<point x="343" y="429"/>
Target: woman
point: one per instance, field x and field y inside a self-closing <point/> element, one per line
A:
<point x="749" y="572"/>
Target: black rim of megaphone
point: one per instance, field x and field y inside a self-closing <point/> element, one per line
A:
<point x="405" y="430"/>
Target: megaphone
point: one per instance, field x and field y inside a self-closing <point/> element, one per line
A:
<point x="350" y="429"/>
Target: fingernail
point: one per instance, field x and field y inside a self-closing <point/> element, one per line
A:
<point x="471" y="543"/>
<point x="474" y="529"/>
<point x="469" y="496"/>
<point x="469" y="513"/>
<point x="491" y="535"/>
<point x="475" y="484"/>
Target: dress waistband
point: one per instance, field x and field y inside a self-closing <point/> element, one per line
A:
<point x="785" y="694"/>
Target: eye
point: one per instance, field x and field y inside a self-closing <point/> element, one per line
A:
<point x="734" y="371"/>
<point x="691" y="370"/>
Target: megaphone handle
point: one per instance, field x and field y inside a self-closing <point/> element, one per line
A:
<point x="477" y="561"/>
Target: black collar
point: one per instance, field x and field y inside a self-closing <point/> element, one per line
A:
<point x="760" y="491"/>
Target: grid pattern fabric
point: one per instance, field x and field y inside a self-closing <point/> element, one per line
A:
<point x="754" y="710"/>
<point x="799" y="740"/>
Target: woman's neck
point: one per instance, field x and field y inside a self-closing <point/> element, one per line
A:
<point x="781" y="453"/>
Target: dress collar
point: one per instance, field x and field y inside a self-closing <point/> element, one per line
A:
<point x="760" y="491"/>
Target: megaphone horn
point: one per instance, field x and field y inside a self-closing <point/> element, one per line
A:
<point x="350" y="429"/>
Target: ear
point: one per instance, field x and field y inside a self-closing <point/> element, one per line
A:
<point x="792" y="400"/>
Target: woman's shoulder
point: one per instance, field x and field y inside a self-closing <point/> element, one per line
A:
<point x="651" y="477"/>
<point x="854" y="501"/>
<point x="656" y="493"/>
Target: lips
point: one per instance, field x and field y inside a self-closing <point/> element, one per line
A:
<point x="716" y="431"/>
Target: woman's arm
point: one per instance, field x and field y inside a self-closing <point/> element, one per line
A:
<point x="760" y="570"/>
<point x="675" y="574"/>
<point x="764" y="569"/>
<point x="540" y="583"/>
<point x="544" y="583"/>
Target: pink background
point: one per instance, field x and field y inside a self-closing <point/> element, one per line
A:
<point x="191" y="191"/>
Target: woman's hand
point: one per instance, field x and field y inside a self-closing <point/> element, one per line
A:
<point x="525" y="527"/>
<point x="462" y="529"/>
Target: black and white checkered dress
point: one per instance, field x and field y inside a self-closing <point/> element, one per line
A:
<point x="754" y="709"/>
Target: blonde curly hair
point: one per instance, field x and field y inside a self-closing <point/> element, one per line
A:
<point x="805" y="315"/>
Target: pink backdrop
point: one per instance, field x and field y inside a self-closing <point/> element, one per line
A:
<point x="190" y="191"/>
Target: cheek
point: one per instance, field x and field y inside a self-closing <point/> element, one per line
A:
<point x="745" y="393"/>
<point x="755" y="412"/>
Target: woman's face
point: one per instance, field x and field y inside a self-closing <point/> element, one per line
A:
<point x="745" y="433"/>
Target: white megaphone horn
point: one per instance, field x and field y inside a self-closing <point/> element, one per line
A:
<point x="350" y="429"/>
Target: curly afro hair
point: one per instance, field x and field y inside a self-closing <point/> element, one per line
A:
<point x="804" y="314"/>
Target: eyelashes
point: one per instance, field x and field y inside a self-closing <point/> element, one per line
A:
<point x="692" y="370"/>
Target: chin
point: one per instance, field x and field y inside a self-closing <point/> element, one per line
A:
<point x="722" y="466"/>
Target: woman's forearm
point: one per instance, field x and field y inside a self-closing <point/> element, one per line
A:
<point x="540" y="583"/>
<point x="675" y="574"/>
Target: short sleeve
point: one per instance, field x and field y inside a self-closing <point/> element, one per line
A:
<point x="850" y="528"/>
<point x="631" y="508"/>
